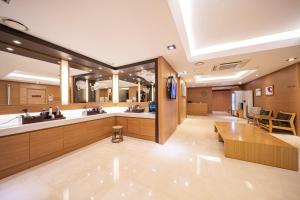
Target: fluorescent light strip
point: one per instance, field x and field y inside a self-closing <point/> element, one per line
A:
<point x="250" y="42"/>
<point x="228" y="77"/>
<point x="32" y="77"/>
<point x="186" y="11"/>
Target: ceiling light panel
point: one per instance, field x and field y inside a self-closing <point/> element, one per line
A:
<point x="226" y="77"/>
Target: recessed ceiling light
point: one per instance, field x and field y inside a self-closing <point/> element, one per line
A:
<point x="171" y="47"/>
<point x="17" y="42"/>
<point x="100" y="75"/>
<point x="199" y="63"/>
<point x="14" y="24"/>
<point x="142" y="68"/>
<point x="90" y="70"/>
<point x="256" y="75"/>
<point x="100" y="68"/>
<point x="130" y="74"/>
<point x="291" y="59"/>
<point x="190" y="81"/>
<point x="9" y="49"/>
<point x="240" y="82"/>
<point x="69" y="58"/>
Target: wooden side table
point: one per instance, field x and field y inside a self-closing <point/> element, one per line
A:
<point x="117" y="134"/>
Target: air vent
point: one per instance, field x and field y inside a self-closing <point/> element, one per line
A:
<point x="6" y="1"/>
<point x="229" y="65"/>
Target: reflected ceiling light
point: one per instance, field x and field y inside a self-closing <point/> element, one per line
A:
<point x="17" y="74"/>
<point x="90" y="70"/>
<point x="122" y="71"/>
<point x="291" y="59"/>
<point x="100" y="68"/>
<point x="182" y="73"/>
<point x="142" y="68"/>
<point x="240" y="82"/>
<point x="171" y="47"/>
<point x="186" y="8"/>
<point x="203" y="78"/>
<point x="69" y="58"/>
<point x="17" y="42"/>
<point x="9" y="49"/>
<point x="256" y="75"/>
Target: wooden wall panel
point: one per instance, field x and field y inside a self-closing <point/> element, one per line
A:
<point x="15" y="93"/>
<point x="200" y="94"/>
<point x="182" y="103"/>
<point x="14" y="150"/>
<point x="286" y="91"/>
<point x="167" y="109"/>
<point x="221" y="100"/>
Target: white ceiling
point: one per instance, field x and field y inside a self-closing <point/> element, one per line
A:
<point x="123" y="32"/>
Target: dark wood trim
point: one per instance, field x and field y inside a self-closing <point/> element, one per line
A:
<point x="39" y="41"/>
<point x="136" y="64"/>
<point x="156" y="101"/>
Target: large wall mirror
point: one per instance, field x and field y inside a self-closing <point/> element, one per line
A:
<point x="27" y="81"/>
<point x="137" y="83"/>
<point x="92" y="86"/>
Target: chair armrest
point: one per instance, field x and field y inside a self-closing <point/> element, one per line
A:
<point x="280" y="120"/>
<point x="264" y="117"/>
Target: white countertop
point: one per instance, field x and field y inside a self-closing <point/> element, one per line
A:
<point x="72" y="116"/>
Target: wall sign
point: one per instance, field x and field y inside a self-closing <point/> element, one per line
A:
<point x="258" y="92"/>
<point x="269" y="90"/>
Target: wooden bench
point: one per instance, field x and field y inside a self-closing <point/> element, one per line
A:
<point x="250" y="143"/>
<point x="283" y="121"/>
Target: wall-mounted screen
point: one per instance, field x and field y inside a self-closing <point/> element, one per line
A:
<point x="171" y="88"/>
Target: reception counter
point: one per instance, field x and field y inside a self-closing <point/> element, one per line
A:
<point x="24" y="146"/>
<point x="197" y="109"/>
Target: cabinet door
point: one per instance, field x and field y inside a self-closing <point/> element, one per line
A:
<point x="74" y="134"/>
<point x="122" y="121"/>
<point x="134" y="125"/>
<point x="107" y="124"/>
<point x="93" y="129"/>
<point x="14" y="150"/>
<point x="148" y="127"/>
<point x="45" y="142"/>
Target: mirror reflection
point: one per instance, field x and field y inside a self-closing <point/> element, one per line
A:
<point x="137" y="84"/>
<point x="92" y="87"/>
<point x="27" y="81"/>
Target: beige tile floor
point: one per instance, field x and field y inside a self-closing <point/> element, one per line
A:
<point x="190" y="165"/>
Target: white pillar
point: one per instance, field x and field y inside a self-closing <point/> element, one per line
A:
<point x="86" y="91"/>
<point x="64" y="82"/>
<point x="139" y="90"/>
<point x="115" y="88"/>
<point x="152" y="93"/>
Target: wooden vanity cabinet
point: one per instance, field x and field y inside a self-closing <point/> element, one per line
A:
<point x="122" y="121"/>
<point x="25" y="150"/>
<point x="45" y="142"/>
<point x="14" y="150"/>
<point x="74" y="134"/>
